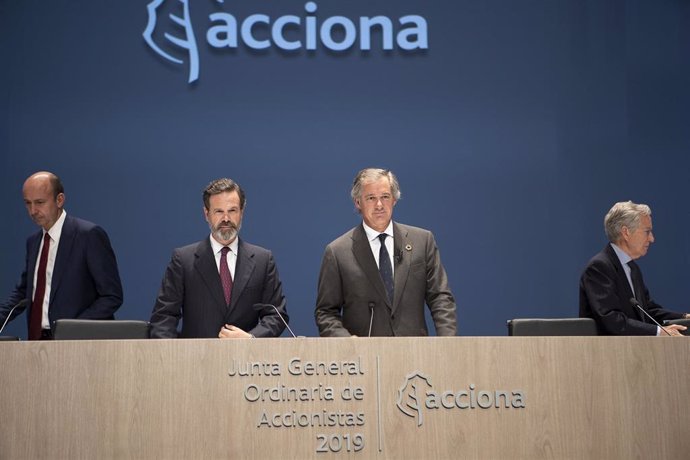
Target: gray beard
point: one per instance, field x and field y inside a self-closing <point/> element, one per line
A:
<point x="226" y="234"/>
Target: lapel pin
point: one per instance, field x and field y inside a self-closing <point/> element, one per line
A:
<point x="408" y="247"/>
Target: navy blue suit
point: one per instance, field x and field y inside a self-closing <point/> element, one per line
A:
<point x="605" y="297"/>
<point x="192" y="291"/>
<point x="85" y="283"/>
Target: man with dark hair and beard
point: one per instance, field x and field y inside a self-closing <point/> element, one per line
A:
<point x="221" y="286"/>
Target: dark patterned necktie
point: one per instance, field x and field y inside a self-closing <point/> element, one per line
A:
<point x="225" y="276"/>
<point x="636" y="277"/>
<point x="40" y="292"/>
<point x="385" y="267"/>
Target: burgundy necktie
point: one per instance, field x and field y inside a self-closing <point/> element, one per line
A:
<point x="225" y="276"/>
<point x="39" y="292"/>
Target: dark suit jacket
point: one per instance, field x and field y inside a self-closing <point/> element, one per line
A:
<point x="192" y="291"/>
<point x="86" y="282"/>
<point x="350" y="286"/>
<point x="605" y="297"/>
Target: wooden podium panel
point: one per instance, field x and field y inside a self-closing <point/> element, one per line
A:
<point x="398" y="398"/>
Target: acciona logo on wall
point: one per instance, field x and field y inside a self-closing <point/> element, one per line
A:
<point x="417" y="394"/>
<point x="170" y="32"/>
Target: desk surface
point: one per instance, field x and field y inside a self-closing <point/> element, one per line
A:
<point x="456" y="397"/>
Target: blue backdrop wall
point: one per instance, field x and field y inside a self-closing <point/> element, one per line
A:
<point x="512" y="134"/>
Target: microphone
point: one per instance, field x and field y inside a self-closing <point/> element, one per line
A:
<point x="637" y="304"/>
<point x="398" y="256"/>
<point x="22" y="303"/>
<point x="259" y="306"/>
<point x="371" y="316"/>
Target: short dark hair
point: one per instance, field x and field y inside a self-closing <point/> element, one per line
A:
<point x="56" y="183"/>
<point x="220" y="186"/>
<point x="53" y="180"/>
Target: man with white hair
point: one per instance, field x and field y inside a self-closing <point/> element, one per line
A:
<point x="612" y="279"/>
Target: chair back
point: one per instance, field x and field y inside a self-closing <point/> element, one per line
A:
<point x="93" y="329"/>
<point x="552" y="326"/>
<point x="682" y="322"/>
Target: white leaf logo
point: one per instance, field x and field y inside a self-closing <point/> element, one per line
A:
<point x="186" y="41"/>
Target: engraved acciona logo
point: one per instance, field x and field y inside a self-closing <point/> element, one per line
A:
<point x="170" y="33"/>
<point x="411" y="395"/>
<point x="417" y="394"/>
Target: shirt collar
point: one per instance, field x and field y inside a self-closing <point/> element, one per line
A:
<point x="373" y="234"/>
<point x="622" y="255"/>
<point x="56" y="230"/>
<point x="216" y="247"/>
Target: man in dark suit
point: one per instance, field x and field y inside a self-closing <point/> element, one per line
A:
<point x="612" y="278"/>
<point x="221" y="286"/>
<point x="70" y="269"/>
<point x="376" y="278"/>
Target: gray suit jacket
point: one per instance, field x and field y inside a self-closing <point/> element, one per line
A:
<point x="351" y="289"/>
<point x="192" y="291"/>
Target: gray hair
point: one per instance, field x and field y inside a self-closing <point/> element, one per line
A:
<point x="368" y="175"/>
<point x="220" y="186"/>
<point x="624" y="214"/>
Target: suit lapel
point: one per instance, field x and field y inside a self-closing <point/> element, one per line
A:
<point x="243" y="272"/>
<point x="205" y="264"/>
<point x="34" y="244"/>
<point x="623" y="280"/>
<point x="362" y="252"/>
<point x="65" y="245"/>
<point x="402" y="262"/>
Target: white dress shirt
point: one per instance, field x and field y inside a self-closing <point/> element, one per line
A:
<point x="231" y="258"/>
<point x="375" y="242"/>
<point x="55" y="232"/>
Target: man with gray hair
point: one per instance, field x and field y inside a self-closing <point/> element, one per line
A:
<point x="221" y="286"/>
<point x="612" y="279"/>
<point x="376" y="278"/>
